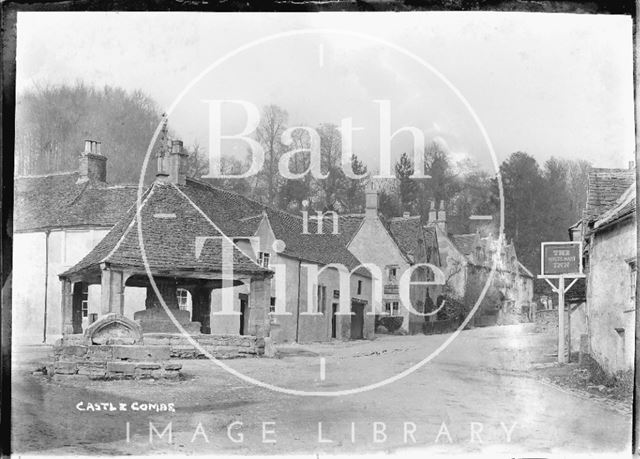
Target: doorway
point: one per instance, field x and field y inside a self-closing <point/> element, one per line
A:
<point x="79" y="305"/>
<point x="334" y="310"/>
<point x="244" y="301"/>
<point x="357" y="321"/>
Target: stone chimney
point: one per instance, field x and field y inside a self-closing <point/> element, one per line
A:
<point x="406" y="214"/>
<point x="178" y="163"/>
<point x="172" y="166"/>
<point x="371" y="205"/>
<point x="93" y="165"/>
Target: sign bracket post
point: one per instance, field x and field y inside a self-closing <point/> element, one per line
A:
<point x="562" y="260"/>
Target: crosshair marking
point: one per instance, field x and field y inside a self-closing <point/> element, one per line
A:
<point x="322" y="370"/>
<point x="321" y="54"/>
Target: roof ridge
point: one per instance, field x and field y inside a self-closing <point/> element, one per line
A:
<point x="200" y="182"/>
<point x="52" y="174"/>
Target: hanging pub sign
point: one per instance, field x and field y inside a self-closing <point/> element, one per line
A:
<point x="561" y="259"/>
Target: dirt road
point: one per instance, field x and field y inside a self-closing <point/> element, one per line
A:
<point x="478" y="395"/>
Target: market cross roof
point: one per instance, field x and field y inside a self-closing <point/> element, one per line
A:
<point x="173" y="238"/>
<point x="204" y="210"/>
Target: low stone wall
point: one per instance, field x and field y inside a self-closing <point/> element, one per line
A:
<point x="113" y="362"/>
<point x="219" y="346"/>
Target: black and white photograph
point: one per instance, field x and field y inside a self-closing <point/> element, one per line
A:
<point x="323" y="234"/>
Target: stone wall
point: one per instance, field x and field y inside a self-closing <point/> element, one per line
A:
<point x="610" y="297"/>
<point x="113" y="362"/>
<point x="219" y="346"/>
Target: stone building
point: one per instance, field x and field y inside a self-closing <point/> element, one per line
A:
<point x="58" y="219"/>
<point x="467" y="262"/>
<point x="395" y="246"/>
<point x="179" y="218"/>
<point x="608" y="232"/>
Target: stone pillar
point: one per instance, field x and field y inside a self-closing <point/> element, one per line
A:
<point x="112" y="292"/>
<point x="201" y="307"/>
<point x="168" y="290"/>
<point x="67" y="307"/>
<point x="259" y="299"/>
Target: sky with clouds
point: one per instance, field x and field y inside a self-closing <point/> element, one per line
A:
<point x="551" y="85"/>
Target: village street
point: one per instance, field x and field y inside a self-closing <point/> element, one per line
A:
<point x="482" y="389"/>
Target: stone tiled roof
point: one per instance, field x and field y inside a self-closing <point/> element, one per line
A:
<point x="605" y="186"/>
<point x="171" y="227"/>
<point x="465" y="243"/>
<point x="625" y="206"/>
<point x="322" y="248"/>
<point x="407" y="232"/>
<point x="238" y="216"/>
<point x="349" y="226"/>
<point x="57" y="201"/>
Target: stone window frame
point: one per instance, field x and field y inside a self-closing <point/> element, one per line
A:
<point x="182" y="296"/>
<point x="633" y="272"/>
<point x="85" y="300"/>
<point x="394" y="308"/>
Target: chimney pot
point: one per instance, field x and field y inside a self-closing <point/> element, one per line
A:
<point x="93" y="166"/>
<point x="632" y="164"/>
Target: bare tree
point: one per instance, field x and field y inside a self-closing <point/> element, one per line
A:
<point x="272" y="124"/>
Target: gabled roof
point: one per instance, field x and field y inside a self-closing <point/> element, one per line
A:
<point x="604" y="187"/>
<point x="173" y="227"/>
<point x="406" y="232"/>
<point x="58" y="201"/>
<point x="624" y="207"/>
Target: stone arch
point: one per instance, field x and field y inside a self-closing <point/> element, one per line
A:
<point x="114" y="328"/>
